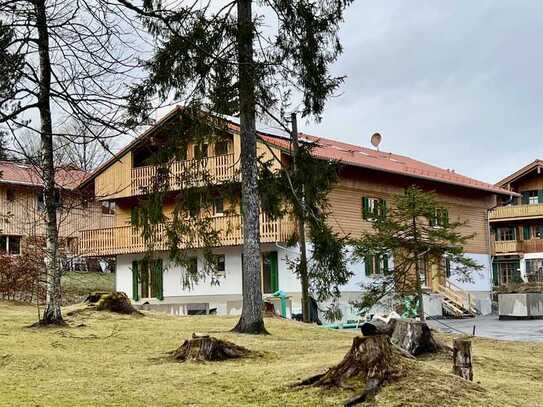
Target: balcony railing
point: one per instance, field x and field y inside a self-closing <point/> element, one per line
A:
<point x="126" y="239"/>
<point x="506" y="246"/>
<point x="180" y="174"/>
<point x="516" y="212"/>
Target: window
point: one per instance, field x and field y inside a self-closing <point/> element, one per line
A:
<point x="181" y="153"/>
<point x="446" y="266"/>
<point x="147" y="279"/>
<point x="532" y="197"/>
<point x="221" y="264"/>
<point x="534" y="270"/>
<point x="192" y="266"/>
<point x="218" y="206"/>
<point x="373" y="208"/>
<point x="505" y="233"/>
<point x="197" y="309"/>
<point x="505" y="273"/>
<point x="41" y="202"/>
<point x="376" y="265"/>
<point x="108" y="207"/>
<point x="200" y="151"/>
<point x="222" y="147"/>
<point x="10" y="245"/>
<point x="10" y="195"/>
<point x="441" y="217"/>
<point x="14" y="244"/>
<point x="537" y="231"/>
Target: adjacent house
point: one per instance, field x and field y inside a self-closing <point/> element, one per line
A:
<point x="368" y="177"/>
<point x="517" y="228"/>
<point x="22" y="217"/>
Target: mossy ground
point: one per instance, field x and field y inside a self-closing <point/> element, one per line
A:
<point x="117" y="360"/>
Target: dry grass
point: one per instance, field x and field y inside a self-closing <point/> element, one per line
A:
<point x="77" y="285"/>
<point x="118" y="360"/>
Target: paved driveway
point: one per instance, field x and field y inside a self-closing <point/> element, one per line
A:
<point x="491" y="327"/>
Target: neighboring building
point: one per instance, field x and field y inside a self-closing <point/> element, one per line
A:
<point x="367" y="177"/>
<point x="22" y="217"/>
<point x="517" y="228"/>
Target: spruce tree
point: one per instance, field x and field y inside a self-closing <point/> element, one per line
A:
<point x="197" y="43"/>
<point x="415" y="232"/>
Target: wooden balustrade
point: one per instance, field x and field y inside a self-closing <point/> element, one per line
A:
<point x="506" y="246"/>
<point x="459" y="297"/>
<point x="181" y="174"/>
<point x="126" y="239"/>
<point x="516" y="212"/>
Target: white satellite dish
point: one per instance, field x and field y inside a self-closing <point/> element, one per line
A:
<point x="376" y="140"/>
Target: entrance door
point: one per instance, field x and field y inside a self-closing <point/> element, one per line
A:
<point x="270" y="273"/>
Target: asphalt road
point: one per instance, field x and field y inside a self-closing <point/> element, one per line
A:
<point x="491" y="327"/>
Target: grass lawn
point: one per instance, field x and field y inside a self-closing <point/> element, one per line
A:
<point x="106" y="359"/>
<point x="77" y="285"/>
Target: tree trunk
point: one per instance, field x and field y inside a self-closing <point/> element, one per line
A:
<point x="378" y="327"/>
<point x="251" y="314"/>
<point x="462" y="365"/>
<point x="52" y="313"/>
<point x="418" y="286"/>
<point x="415" y="337"/>
<point x="371" y="358"/>
<point x="304" y="278"/>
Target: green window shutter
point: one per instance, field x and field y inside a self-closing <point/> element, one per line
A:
<point x="368" y="265"/>
<point x="385" y="264"/>
<point x="159" y="280"/>
<point x="526" y="232"/>
<point x="540" y="196"/>
<point x="447" y="267"/>
<point x="432" y="220"/>
<point x="525" y="198"/>
<point x="495" y="277"/>
<point x="365" y="207"/>
<point x="135" y="281"/>
<point x="383" y="205"/>
<point x="445" y="216"/>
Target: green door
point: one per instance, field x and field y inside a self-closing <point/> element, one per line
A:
<point x="270" y="272"/>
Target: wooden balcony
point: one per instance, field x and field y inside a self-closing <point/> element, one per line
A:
<point x="516" y="212"/>
<point x="506" y="247"/>
<point x="126" y="239"/>
<point x="181" y="174"/>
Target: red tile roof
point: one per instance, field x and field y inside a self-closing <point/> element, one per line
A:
<point x="25" y="174"/>
<point x="336" y="150"/>
<point x="381" y="161"/>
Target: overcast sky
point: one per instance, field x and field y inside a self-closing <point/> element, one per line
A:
<point x="456" y="83"/>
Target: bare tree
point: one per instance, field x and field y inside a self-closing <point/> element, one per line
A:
<point x="69" y="59"/>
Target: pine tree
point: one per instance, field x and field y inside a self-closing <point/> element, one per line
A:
<point x="416" y="232"/>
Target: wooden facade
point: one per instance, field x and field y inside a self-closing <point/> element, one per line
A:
<point x="517" y="228"/>
<point x="22" y="213"/>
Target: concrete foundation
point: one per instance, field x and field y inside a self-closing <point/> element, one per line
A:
<point x="520" y="306"/>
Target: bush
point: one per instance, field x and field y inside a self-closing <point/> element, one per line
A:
<point x="20" y="278"/>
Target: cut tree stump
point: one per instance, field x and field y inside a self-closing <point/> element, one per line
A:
<point x="415" y="337"/>
<point x="378" y="327"/>
<point x="117" y="302"/>
<point x="207" y="348"/>
<point x="462" y="365"/>
<point x="372" y="359"/>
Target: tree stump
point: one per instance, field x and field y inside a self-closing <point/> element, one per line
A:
<point x="207" y="348"/>
<point x="117" y="302"/>
<point x="378" y="327"/>
<point x="415" y="337"/>
<point x="371" y="358"/>
<point x="462" y="365"/>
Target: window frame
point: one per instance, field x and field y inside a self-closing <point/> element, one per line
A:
<point x="224" y="143"/>
<point x="373" y="207"/>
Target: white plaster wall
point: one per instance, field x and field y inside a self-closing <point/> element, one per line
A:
<point x="230" y="285"/>
<point x="482" y="279"/>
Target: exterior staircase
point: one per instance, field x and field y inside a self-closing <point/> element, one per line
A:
<point x="456" y="302"/>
